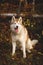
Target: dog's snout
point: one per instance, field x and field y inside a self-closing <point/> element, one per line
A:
<point x="16" y="26"/>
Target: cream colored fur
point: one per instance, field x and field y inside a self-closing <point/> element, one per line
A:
<point x="22" y="36"/>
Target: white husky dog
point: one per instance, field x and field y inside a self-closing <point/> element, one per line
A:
<point x="19" y="33"/>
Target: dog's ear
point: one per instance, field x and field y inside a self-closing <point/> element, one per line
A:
<point x="13" y="19"/>
<point x="20" y="19"/>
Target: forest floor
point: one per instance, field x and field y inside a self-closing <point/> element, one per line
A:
<point x="34" y="58"/>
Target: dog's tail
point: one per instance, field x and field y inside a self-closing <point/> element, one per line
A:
<point x="33" y="42"/>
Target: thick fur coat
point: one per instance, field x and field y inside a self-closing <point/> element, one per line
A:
<point x="19" y="33"/>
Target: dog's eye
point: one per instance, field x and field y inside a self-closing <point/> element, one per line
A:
<point x="18" y="23"/>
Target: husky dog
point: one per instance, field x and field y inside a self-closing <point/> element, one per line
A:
<point x="19" y="33"/>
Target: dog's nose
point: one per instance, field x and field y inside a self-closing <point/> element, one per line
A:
<point x="16" y="26"/>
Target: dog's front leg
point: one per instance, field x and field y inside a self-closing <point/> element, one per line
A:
<point x="13" y="48"/>
<point x="24" y="50"/>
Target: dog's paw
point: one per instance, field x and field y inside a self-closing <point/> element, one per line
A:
<point x="12" y="54"/>
<point x="29" y="51"/>
<point x="24" y="56"/>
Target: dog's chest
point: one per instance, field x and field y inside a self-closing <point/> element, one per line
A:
<point x="16" y="37"/>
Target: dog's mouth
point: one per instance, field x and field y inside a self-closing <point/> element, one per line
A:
<point x="16" y="29"/>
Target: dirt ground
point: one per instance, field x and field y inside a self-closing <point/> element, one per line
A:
<point x="34" y="58"/>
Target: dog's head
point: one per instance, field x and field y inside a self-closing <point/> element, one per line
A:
<point x="16" y="24"/>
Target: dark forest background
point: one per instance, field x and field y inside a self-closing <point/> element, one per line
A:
<point x="32" y="14"/>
